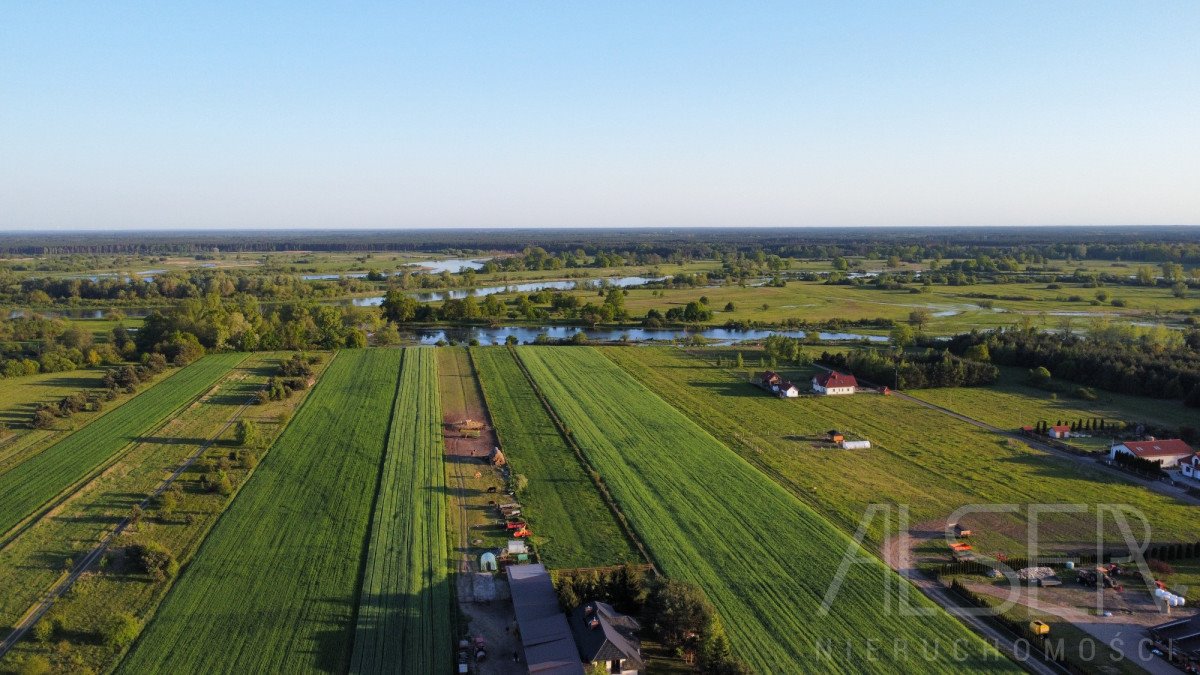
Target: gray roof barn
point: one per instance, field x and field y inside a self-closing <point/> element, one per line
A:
<point x="545" y="635"/>
<point x="603" y="634"/>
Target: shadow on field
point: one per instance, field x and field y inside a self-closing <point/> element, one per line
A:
<point x="168" y="440"/>
<point x="73" y="382"/>
<point x="738" y="389"/>
<point x="402" y="632"/>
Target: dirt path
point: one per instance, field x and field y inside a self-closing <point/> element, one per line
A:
<point x="470" y="476"/>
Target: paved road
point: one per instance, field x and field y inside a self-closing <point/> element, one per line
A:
<point x="39" y="610"/>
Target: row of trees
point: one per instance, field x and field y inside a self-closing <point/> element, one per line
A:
<point x="1117" y="358"/>
<point x="930" y="368"/>
<point x="122" y="379"/>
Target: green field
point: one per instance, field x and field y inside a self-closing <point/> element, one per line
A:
<point x="404" y="610"/>
<point x="21" y="396"/>
<point x="1011" y="404"/>
<point x="572" y="525"/>
<point x="763" y="557"/>
<point x="34" y="561"/>
<point x="921" y="458"/>
<point x="36" y="481"/>
<point x="274" y="588"/>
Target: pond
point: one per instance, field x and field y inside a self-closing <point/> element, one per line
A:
<point x="720" y="336"/>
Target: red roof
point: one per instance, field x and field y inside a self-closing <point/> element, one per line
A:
<point x="1061" y="428"/>
<point x="1170" y="447"/>
<point x="835" y="380"/>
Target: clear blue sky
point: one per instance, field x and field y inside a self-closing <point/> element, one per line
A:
<point x="290" y="114"/>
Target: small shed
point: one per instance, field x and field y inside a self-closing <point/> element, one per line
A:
<point x="835" y="436"/>
<point x="487" y="562"/>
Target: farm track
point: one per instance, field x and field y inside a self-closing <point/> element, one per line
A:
<point x="687" y="494"/>
<point x="39" y="610"/>
<point x="274" y="586"/>
<point x="22" y="496"/>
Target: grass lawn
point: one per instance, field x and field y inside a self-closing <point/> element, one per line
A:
<point x="41" y="555"/>
<point x="572" y="525"/>
<point x="919" y="457"/>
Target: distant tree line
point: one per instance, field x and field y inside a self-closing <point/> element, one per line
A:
<point x="1116" y="358"/>
<point x="931" y="368"/>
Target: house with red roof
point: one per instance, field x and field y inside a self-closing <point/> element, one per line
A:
<point x="833" y="383"/>
<point x="1059" y="431"/>
<point x="1168" y="452"/>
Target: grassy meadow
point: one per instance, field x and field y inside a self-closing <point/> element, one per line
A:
<point x="919" y="457"/>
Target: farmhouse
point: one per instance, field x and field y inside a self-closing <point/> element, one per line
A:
<point x="607" y="640"/>
<point x="834" y="383"/>
<point x="1059" y="431"/>
<point x="545" y="635"/>
<point x="1190" y="466"/>
<point x="1168" y="452"/>
<point x="774" y="383"/>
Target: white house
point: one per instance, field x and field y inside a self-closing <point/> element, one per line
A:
<point x="1168" y="452"/>
<point x="786" y="389"/>
<point x="1190" y="466"/>
<point x="834" y="383"/>
<point x="1059" y="431"/>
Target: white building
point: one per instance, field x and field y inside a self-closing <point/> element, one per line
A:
<point x="834" y="383"/>
<point x="1168" y="452"/>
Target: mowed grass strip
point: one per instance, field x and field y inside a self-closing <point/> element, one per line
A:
<point x="404" y="611"/>
<point x="274" y="587"/>
<point x="764" y="558"/>
<point x="36" y="481"/>
<point x="571" y="523"/>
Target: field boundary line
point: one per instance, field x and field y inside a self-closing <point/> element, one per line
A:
<point x="622" y="520"/>
<point x="60" y="588"/>
<point x="73" y="489"/>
